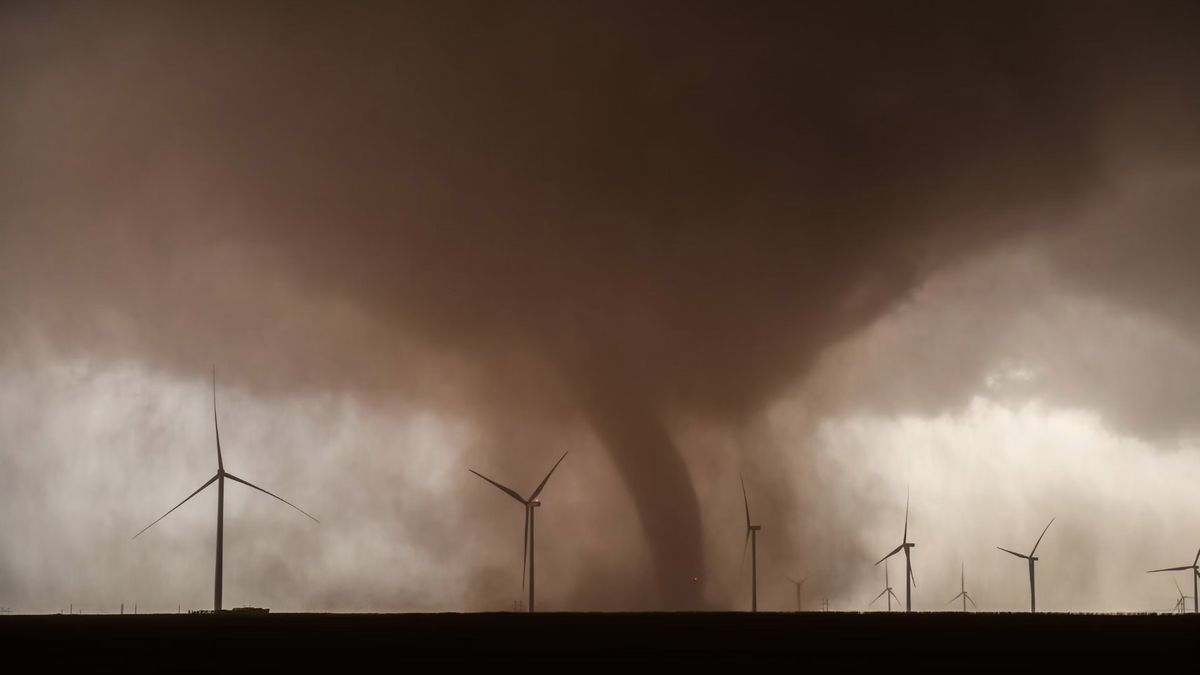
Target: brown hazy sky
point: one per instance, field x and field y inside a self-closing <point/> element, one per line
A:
<point x="678" y="239"/>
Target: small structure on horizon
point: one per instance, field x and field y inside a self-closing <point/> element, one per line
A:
<point x="964" y="594"/>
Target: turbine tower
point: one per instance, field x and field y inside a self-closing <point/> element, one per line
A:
<point x="219" y="478"/>
<point x="964" y="595"/>
<point x="887" y="590"/>
<point x="1032" y="560"/>
<point x="530" y="504"/>
<point x="1195" y="568"/>
<point x="799" y="592"/>
<point x="752" y="539"/>
<point x="906" y="546"/>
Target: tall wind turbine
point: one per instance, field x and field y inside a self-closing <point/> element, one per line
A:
<point x="1195" y="568"/>
<point x="220" y="477"/>
<point x="530" y="504"/>
<point x="964" y="595"/>
<point x="1032" y="559"/>
<point x="752" y="539"/>
<point x="906" y="546"/>
<point x="887" y="590"/>
<point x="799" y="592"/>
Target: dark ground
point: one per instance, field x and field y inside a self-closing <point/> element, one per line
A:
<point x="305" y="642"/>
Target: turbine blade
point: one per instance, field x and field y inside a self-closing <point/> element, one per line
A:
<point x="879" y="596"/>
<point x="1040" y="538"/>
<point x="1197" y="560"/>
<point x="746" y="500"/>
<point x="897" y="550"/>
<point x="906" y="498"/>
<point x="217" y="427"/>
<point x="541" y="485"/>
<point x="1170" y="569"/>
<point x="955" y="598"/>
<point x="210" y="482"/>
<point x="1019" y="555"/>
<point x="910" y="575"/>
<point x="896" y="597"/>
<point x="525" y="550"/>
<point x="509" y="491"/>
<point x="971" y="600"/>
<point x="1177" y="587"/>
<point x="245" y="482"/>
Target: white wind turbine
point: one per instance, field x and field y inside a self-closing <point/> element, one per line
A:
<point x="1181" y="603"/>
<point x="906" y="546"/>
<point x="219" y="478"/>
<point x="530" y="504"/>
<point x="752" y="539"/>
<point x="1195" y="568"/>
<point x="887" y="590"/>
<point x="799" y="592"/>
<point x="964" y="594"/>
<point x="1032" y="560"/>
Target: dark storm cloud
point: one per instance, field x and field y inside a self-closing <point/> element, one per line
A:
<point x="617" y="215"/>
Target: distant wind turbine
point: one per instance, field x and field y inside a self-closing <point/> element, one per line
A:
<point x="530" y="504"/>
<point x="799" y="592"/>
<point x="752" y="539"/>
<point x="220" y="477"/>
<point x="964" y="595"/>
<point x="1181" y="603"/>
<point x="1032" y="560"/>
<point x="887" y="590"/>
<point x="906" y="546"/>
<point x="1195" y="568"/>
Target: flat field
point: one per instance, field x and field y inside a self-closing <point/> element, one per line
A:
<point x="331" y="642"/>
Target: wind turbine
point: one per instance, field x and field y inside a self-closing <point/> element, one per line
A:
<point x="530" y="504"/>
<point x="1181" y="603"/>
<point x="799" y="592"/>
<point x="219" y="478"/>
<point x="887" y="590"/>
<point x="752" y="539"/>
<point x="1195" y="568"/>
<point x="964" y="595"/>
<point x="1032" y="559"/>
<point x="906" y="546"/>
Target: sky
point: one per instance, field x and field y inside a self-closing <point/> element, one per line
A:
<point x="855" y="253"/>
